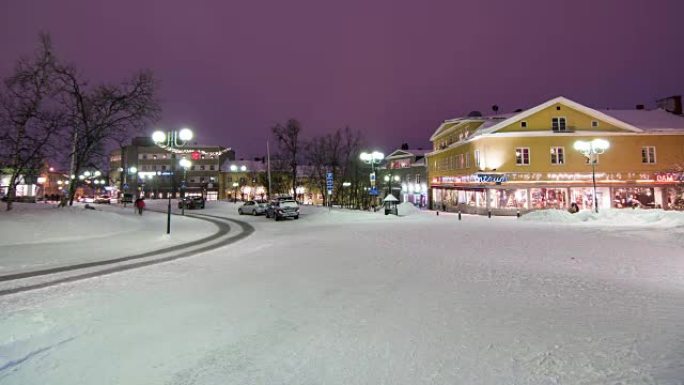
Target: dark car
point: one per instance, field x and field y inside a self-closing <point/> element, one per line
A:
<point x="191" y="203"/>
<point x="285" y="209"/>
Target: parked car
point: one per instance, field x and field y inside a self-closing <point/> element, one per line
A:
<point x="191" y="203"/>
<point x="252" y="208"/>
<point x="285" y="209"/>
<point x="270" y="205"/>
<point x="102" y="199"/>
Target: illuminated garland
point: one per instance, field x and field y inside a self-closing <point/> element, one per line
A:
<point x="190" y="151"/>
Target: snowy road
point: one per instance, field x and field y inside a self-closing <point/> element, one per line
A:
<point x="360" y="298"/>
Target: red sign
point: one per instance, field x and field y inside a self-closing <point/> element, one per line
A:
<point x="195" y="155"/>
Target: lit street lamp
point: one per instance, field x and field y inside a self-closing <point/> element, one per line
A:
<point x="591" y="150"/>
<point x="389" y="179"/>
<point x="372" y="158"/>
<point x="185" y="163"/>
<point x="168" y="141"/>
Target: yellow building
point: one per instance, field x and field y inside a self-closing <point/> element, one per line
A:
<point x="528" y="160"/>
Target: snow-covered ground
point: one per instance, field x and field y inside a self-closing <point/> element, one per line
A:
<point x="344" y="297"/>
<point x="38" y="236"/>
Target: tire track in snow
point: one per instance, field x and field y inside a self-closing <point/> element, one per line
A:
<point x="187" y="250"/>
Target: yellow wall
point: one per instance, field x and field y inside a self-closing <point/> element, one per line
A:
<point x="624" y="154"/>
<point x="575" y="120"/>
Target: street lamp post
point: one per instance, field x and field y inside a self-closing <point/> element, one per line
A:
<point x="170" y="140"/>
<point x="591" y="150"/>
<point x="185" y="164"/>
<point x="235" y="186"/>
<point x="389" y="179"/>
<point x="372" y="158"/>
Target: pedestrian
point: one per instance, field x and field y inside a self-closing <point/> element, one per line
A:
<point x="140" y="205"/>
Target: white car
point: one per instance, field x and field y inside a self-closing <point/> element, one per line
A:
<point x="253" y="208"/>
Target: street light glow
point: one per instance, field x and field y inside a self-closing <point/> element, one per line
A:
<point x="233" y="167"/>
<point x="158" y="136"/>
<point x="185" y="134"/>
<point x="133" y="170"/>
<point x="97" y="173"/>
<point x="243" y="168"/>
<point x="377" y="155"/>
<point x="185" y="163"/>
<point x="86" y="173"/>
<point x="41" y="179"/>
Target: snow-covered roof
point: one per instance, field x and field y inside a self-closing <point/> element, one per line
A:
<point x="649" y="120"/>
<point x="405" y="153"/>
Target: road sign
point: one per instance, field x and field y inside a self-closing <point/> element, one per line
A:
<point x="329" y="182"/>
<point x="373" y="191"/>
<point x="125" y="186"/>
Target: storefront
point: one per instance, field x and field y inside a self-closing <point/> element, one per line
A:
<point x="508" y="194"/>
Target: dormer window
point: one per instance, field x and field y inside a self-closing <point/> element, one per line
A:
<point x="523" y="124"/>
<point x="558" y="124"/>
<point x="594" y="123"/>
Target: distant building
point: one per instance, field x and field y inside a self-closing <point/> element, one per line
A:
<point x="145" y="169"/>
<point x="527" y="160"/>
<point x="404" y="171"/>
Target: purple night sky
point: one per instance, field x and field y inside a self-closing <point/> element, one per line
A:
<point x="392" y="68"/>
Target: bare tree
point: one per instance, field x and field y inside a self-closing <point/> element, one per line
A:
<point x="30" y="121"/>
<point x="103" y="115"/>
<point x="337" y="152"/>
<point x="288" y="141"/>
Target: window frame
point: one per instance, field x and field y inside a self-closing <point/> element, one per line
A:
<point x="558" y="119"/>
<point x="522" y="157"/>
<point x="556" y="153"/>
<point x="649" y="158"/>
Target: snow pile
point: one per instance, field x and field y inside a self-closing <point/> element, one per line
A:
<point x="611" y="217"/>
<point x="551" y="216"/>
<point x="407" y="208"/>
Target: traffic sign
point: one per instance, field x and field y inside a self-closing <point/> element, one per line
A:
<point x="373" y="191"/>
<point x="125" y="186"/>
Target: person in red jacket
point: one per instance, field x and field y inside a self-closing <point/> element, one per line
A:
<point x="140" y="205"/>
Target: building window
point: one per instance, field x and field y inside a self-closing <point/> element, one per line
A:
<point x="211" y="167"/>
<point x="154" y="156"/>
<point x="594" y="123"/>
<point x="418" y="178"/>
<point x="557" y="155"/>
<point x="192" y="168"/>
<point x="163" y="168"/>
<point x="648" y="154"/>
<point x="467" y="160"/>
<point x="202" y="167"/>
<point x="477" y="159"/>
<point x="522" y="156"/>
<point x="523" y="124"/>
<point x="558" y="124"/>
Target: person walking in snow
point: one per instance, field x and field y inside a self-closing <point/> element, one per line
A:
<point x="140" y="205"/>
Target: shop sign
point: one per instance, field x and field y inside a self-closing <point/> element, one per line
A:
<point x="492" y="178"/>
<point x="670" y="177"/>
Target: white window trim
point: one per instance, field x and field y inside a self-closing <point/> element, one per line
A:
<point x="655" y="155"/>
<point x="529" y="156"/>
<point x="478" y="159"/>
<point x="563" y="149"/>
<point x="559" y="117"/>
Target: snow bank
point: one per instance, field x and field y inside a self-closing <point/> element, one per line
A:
<point x="611" y="217"/>
<point x="407" y="208"/>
